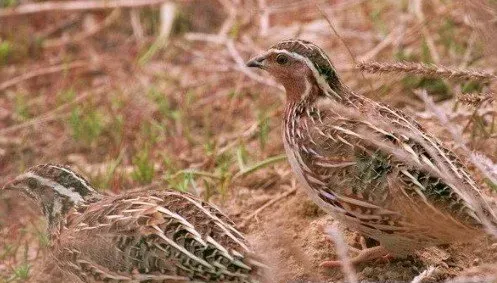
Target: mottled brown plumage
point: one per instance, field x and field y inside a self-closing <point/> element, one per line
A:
<point x="370" y="166"/>
<point x="159" y="236"/>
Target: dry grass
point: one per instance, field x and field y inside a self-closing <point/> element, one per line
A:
<point x="434" y="71"/>
<point x="102" y="92"/>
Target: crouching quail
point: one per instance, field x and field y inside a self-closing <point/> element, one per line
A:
<point x="152" y="236"/>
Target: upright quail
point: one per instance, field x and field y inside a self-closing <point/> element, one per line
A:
<point x="372" y="167"/>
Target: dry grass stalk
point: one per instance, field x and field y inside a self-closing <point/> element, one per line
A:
<point x="254" y="214"/>
<point x="84" y="35"/>
<point x="41" y="72"/>
<point x="424" y="275"/>
<point x="138" y="31"/>
<point x="332" y="27"/>
<point x="417" y="7"/>
<point x="34" y="8"/>
<point x="234" y="54"/>
<point x="386" y="42"/>
<point x="475" y="99"/>
<point x="263" y="18"/>
<point x="167" y="15"/>
<point x="341" y="248"/>
<point x="425" y="70"/>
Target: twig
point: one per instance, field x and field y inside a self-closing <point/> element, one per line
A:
<point x="316" y="29"/>
<point x="211" y="38"/>
<point x="136" y="25"/>
<point x="167" y="15"/>
<point x="469" y="50"/>
<point x="423" y="275"/>
<point x="296" y="5"/>
<point x="263" y="18"/>
<point x="193" y="173"/>
<point x="110" y="19"/>
<point x="418" y="11"/>
<point x="341" y="248"/>
<point x="233" y="139"/>
<point x="425" y="70"/>
<point x="244" y="69"/>
<point x="41" y="72"/>
<point x="380" y="46"/>
<point x="266" y="205"/>
<point x="60" y="6"/>
<point x="266" y="162"/>
<point x="235" y="55"/>
<point x="59" y="26"/>
<point x="230" y="46"/>
<point x="227" y="25"/>
<point x="330" y="23"/>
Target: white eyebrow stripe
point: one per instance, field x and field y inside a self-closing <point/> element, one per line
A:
<point x="308" y="88"/>
<point x="323" y="54"/>
<point x="73" y="196"/>
<point x="307" y="45"/>
<point x="81" y="180"/>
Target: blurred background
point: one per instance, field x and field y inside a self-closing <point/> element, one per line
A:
<point x="155" y="94"/>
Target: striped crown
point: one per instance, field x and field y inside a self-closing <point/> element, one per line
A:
<point x="75" y="184"/>
<point x="320" y="61"/>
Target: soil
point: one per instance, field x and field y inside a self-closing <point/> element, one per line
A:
<point x="290" y="235"/>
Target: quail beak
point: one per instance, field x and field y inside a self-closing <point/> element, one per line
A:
<point x="12" y="186"/>
<point x="7" y="186"/>
<point x="257" y="62"/>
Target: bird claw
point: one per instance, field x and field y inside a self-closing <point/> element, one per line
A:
<point x="330" y="264"/>
<point x="365" y="255"/>
<point x="362" y="241"/>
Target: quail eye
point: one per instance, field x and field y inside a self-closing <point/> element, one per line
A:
<point x="281" y="59"/>
<point x="32" y="183"/>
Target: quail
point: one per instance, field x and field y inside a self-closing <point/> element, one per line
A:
<point x="138" y="236"/>
<point x="372" y="167"/>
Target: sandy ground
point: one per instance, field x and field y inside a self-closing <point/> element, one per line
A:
<point x="290" y="235"/>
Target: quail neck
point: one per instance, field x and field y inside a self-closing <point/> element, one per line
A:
<point x="372" y="167"/>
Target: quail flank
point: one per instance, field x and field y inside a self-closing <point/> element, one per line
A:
<point x="152" y="236"/>
<point x="370" y="166"/>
